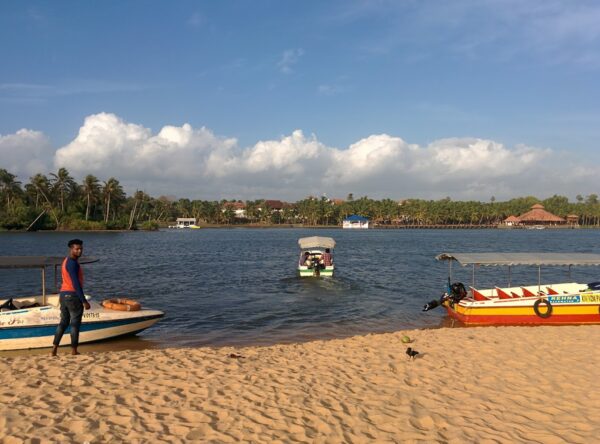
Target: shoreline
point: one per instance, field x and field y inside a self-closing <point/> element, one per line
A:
<point x="311" y="227"/>
<point x="507" y="384"/>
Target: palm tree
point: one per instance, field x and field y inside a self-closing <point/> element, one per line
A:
<point x="91" y="191"/>
<point x="63" y="184"/>
<point x="38" y="186"/>
<point x="112" y="190"/>
<point x="138" y="200"/>
<point x="9" y="187"/>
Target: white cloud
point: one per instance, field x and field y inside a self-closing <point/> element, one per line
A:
<point x="196" y="163"/>
<point x="25" y="153"/>
<point x="289" y="58"/>
<point x="108" y="146"/>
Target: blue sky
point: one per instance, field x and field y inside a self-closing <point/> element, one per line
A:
<point x="459" y="75"/>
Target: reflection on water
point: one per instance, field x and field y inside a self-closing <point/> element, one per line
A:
<point x="239" y="287"/>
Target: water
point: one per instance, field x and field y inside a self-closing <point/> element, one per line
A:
<point x="239" y="287"/>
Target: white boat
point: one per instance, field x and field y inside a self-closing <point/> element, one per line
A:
<point x="31" y="321"/>
<point x="185" y="222"/>
<point x="316" y="257"/>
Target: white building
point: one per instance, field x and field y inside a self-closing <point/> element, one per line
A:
<point x="355" y="221"/>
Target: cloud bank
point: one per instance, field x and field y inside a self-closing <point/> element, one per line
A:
<point x="195" y="163"/>
<point x="25" y="153"/>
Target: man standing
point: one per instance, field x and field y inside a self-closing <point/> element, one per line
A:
<point x="327" y="258"/>
<point x="72" y="299"/>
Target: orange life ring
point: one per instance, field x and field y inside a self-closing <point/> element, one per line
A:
<point x="122" y="304"/>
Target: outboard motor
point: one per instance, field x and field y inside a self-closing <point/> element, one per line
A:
<point x="431" y="305"/>
<point x="455" y="293"/>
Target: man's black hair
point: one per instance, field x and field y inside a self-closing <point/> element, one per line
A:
<point x="74" y="242"/>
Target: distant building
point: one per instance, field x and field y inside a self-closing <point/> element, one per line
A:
<point x="355" y="221"/>
<point x="538" y="216"/>
<point x="274" y="205"/>
<point x="511" y="221"/>
<point x="239" y="209"/>
<point x="573" y="220"/>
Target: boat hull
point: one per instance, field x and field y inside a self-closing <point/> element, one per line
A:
<point x="310" y="272"/>
<point x="568" y="309"/>
<point x="35" y="327"/>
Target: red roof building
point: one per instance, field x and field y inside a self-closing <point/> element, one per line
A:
<point x="512" y="220"/>
<point x="538" y="216"/>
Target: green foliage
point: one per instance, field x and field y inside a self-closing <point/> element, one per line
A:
<point x="69" y="223"/>
<point x="149" y="225"/>
<point x="56" y="201"/>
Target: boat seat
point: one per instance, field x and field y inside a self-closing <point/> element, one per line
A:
<point x="503" y="294"/>
<point x="477" y="295"/>
<point x="527" y="293"/>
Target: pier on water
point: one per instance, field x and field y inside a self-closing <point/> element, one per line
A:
<point x="438" y="226"/>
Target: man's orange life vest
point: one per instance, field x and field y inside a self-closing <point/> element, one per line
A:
<point x="67" y="283"/>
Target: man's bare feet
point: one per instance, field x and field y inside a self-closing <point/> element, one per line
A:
<point x="74" y="352"/>
<point x="54" y="351"/>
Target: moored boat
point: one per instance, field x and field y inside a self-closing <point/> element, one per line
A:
<point x="316" y="256"/>
<point x="31" y="321"/>
<point x="539" y="304"/>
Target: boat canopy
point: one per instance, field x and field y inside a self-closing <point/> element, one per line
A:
<point x="537" y="259"/>
<point x="37" y="261"/>
<point x="316" y="242"/>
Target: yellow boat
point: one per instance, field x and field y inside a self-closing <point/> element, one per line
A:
<point x="540" y="304"/>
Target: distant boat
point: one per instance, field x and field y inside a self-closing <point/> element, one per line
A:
<point x="185" y="222"/>
<point x="316" y="257"/>
<point x="536" y="227"/>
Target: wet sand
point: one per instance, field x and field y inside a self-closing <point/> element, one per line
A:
<point x="493" y="384"/>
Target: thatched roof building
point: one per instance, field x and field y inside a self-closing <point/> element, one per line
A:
<point x="511" y="220"/>
<point x="539" y="216"/>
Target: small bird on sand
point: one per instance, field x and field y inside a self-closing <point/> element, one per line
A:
<point x="411" y="353"/>
<point x="235" y="356"/>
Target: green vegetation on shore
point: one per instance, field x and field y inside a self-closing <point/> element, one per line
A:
<point x="58" y="202"/>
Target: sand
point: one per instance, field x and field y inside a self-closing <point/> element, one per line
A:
<point x="492" y="384"/>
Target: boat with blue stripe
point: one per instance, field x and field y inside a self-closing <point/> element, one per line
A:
<point x="31" y="321"/>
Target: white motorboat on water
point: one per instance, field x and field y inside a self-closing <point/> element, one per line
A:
<point x="316" y="256"/>
<point x="30" y="321"/>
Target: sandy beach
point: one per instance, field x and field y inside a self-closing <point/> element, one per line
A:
<point x="505" y="384"/>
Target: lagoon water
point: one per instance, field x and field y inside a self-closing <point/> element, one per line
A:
<point x="239" y="287"/>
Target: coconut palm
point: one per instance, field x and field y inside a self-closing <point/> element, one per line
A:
<point x="38" y="188"/>
<point x="111" y="191"/>
<point x="9" y="187"/>
<point x="91" y="192"/>
<point x="137" y="207"/>
<point x="62" y="185"/>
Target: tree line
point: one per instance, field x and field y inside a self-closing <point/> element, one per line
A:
<point x="57" y="202"/>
